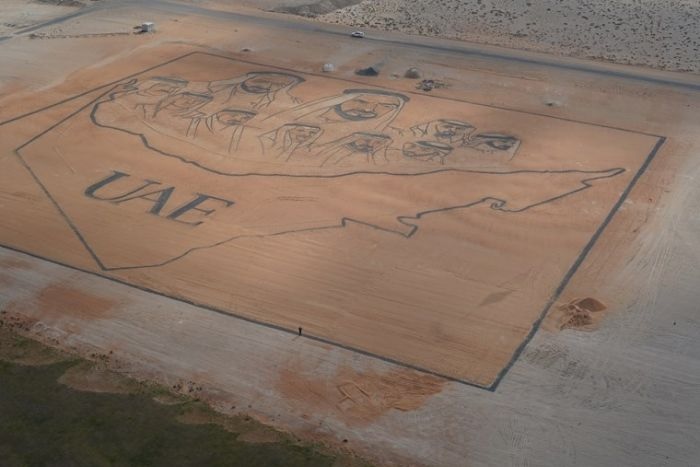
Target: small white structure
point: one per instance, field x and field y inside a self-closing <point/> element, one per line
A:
<point x="328" y="67"/>
<point x="148" y="27"/>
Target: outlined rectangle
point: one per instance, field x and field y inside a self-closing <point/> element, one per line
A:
<point x="557" y="286"/>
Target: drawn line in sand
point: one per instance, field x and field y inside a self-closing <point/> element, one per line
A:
<point x="579" y="260"/>
<point x="403" y="219"/>
<point x="319" y="75"/>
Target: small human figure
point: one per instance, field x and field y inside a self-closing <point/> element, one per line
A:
<point x="300" y="331"/>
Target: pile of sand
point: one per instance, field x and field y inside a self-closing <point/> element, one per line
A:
<point x="578" y="313"/>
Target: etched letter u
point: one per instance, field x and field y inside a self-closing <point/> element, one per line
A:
<point x="90" y="191"/>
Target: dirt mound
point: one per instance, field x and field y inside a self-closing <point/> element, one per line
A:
<point x="578" y="313"/>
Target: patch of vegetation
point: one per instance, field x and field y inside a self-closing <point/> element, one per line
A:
<point x="43" y="422"/>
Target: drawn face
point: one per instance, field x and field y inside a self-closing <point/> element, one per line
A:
<point x="233" y="117"/>
<point x="302" y="133"/>
<point x="494" y="141"/>
<point x="268" y="82"/>
<point x="426" y="149"/>
<point x="161" y="87"/>
<point x="185" y="102"/>
<point x="368" y="143"/>
<point x="367" y="106"/>
<point x="452" y="130"/>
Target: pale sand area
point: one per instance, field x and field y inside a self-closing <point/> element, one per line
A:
<point x="18" y="14"/>
<point x="656" y="33"/>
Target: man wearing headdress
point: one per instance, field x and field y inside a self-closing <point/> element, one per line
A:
<point x="286" y="140"/>
<point x="453" y="132"/>
<point x="354" y="125"/>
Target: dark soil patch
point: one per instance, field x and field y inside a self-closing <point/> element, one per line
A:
<point x="44" y="422"/>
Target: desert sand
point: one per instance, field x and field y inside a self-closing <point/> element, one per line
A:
<point x="659" y="34"/>
<point x="442" y="216"/>
<point x="506" y="252"/>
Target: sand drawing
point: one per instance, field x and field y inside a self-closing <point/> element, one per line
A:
<point x="257" y="89"/>
<point x="231" y="128"/>
<point x="352" y="111"/>
<point x="439" y="138"/>
<point x="235" y="122"/>
<point x="165" y="168"/>
<point x="357" y="145"/>
<point x="451" y="132"/>
<point x="427" y="151"/>
<point x="461" y="134"/>
<point x="287" y="139"/>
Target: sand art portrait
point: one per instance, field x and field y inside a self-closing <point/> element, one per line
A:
<point x="283" y="190"/>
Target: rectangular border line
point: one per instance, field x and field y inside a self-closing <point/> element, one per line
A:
<point x="536" y="324"/>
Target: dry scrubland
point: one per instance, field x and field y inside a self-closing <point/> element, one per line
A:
<point x="662" y="34"/>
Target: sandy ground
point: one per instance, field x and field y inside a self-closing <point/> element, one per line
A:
<point x="654" y="33"/>
<point x="453" y="298"/>
<point x="660" y="34"/>
<point x="16" y="15"/>
<point x="437" y="265"/>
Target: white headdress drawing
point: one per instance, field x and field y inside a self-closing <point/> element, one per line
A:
<point x="256" y="90"/>
<point x="353" y="111"/>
